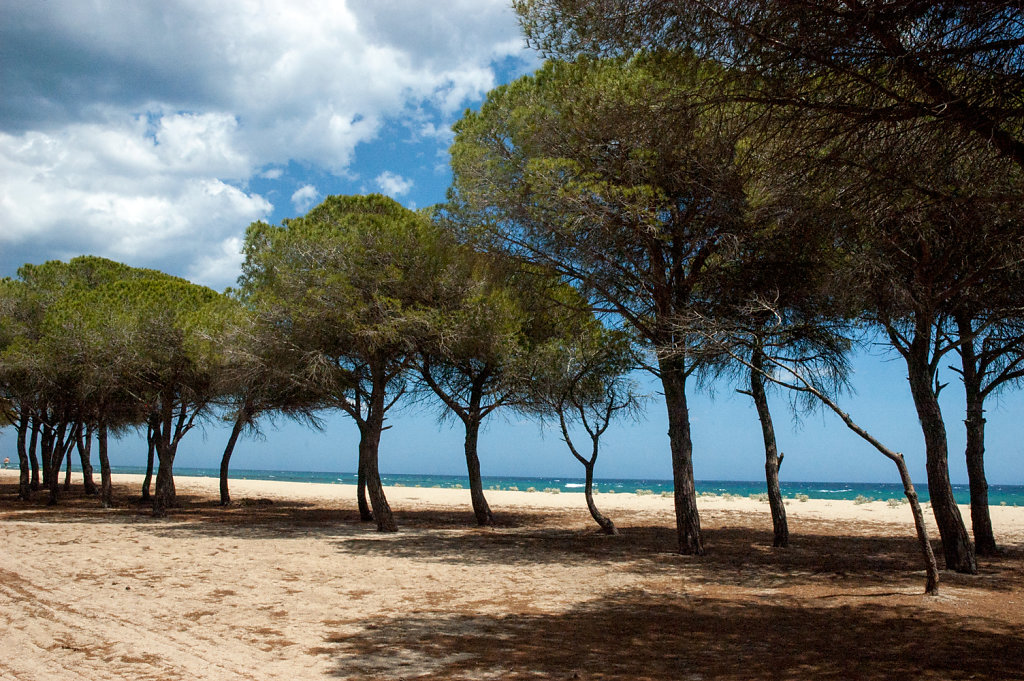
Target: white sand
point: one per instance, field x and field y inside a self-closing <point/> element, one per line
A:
<point x="294" y="590"/>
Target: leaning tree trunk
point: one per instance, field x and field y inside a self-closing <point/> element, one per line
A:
<point x="147" y="481"/>
<point x="931" y="567"/>
<point x="32" y="459"/>
<point x="481" y="509"/>
<point x="981" y="520"/>
<point x="106" y="488"/>
<point x="225" y="495"/>
<point x="24" y="487"/>
<point x="606" y="524"/>
<point x="772" y="461"/>
<point x="673" y="380"/>
<point x="85" y="455"/>
<point x="956" y="544"/>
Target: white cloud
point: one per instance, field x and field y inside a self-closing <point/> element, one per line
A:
<point x="219" y="269"/>
<point x="134" y="129"/>
<point x="304" y="197"/>
<point x="117" y="193"/>
<point x="393" y="184"/>
<point x="442" y="133"/>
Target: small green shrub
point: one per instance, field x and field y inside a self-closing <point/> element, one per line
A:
<point x="458" y="485"/>
<point x="667" y="494"/>
<point x="644" y="492"/>
<point x="861" y="499"/>
<point x="531" y="489"/>
<point x="552" y="490"/>
<point x="512" y="488"/>
<point x="802" y="497"/>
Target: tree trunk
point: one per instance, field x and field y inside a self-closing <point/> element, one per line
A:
<point x="481" y="509"/>
<point x="32" y="459"/>
<point x="106" y="488"/>
<point x="67" y="472"/>
<point x="225" y="496"/>
<point x="166" y="446"/>
<point x="45" y="443"/>
<point x="931" y="567"/>
<point x="673" y="380"/>
<point x="369" y="445"/>
<point x="606" y="524"/>
<point x="53" y="452"/>
<point x="150" y="456"/>
<point x="381" y="510"/>
<point x="164" y="496"/>
<point x="24" y="487"/>
<point x="365" y="513"/>
<point x="771" y="453"/>
<point x="981" y="521"/>
<point x="85" y="455"/>
<point x="956" y="544"/>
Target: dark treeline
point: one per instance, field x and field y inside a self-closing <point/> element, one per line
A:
<point x="733" y="190"/>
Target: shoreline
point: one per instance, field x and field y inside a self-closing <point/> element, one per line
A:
<point x="1008" y="521"/>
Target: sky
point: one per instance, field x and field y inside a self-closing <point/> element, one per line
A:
<point x="155" y="133"/>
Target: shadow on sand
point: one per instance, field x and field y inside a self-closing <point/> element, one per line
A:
<point x="835" y="605"/>
<point x="645" y="636"/>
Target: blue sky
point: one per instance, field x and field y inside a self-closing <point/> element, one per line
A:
<point x="154" y="133"/>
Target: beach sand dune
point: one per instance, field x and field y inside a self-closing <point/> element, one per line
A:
<point x="288" y="584"/>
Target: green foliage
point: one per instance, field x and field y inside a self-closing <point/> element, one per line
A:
<point x="102" y="338"/>
<point x="611" y="173"/>
<point x="350" y="277"/>
<point x="490" y="332"/>
<point x="347" y="290"/>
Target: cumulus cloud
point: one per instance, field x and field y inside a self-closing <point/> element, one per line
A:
<point x="218" y="268"/>
<point x="116" y="192"/>
<point x="304" y="197"/>
<point x="309" y="80"/>
<point x="393" y="184"/>
<point x="134" y="130"/>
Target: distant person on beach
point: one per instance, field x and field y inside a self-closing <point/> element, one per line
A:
<point x="7" y="461"/>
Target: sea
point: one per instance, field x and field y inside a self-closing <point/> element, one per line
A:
<point x="998" y="495"/>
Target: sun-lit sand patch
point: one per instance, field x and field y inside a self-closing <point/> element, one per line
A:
<point x="295" y="587"/>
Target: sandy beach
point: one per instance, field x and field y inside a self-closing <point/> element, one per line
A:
<point x="287" y="584"/>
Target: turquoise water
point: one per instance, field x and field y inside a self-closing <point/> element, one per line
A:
<point x="1010" y="495"/>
